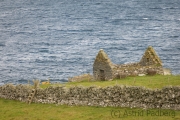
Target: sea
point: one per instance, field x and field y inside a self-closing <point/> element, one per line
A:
<point x="59" y="39"/>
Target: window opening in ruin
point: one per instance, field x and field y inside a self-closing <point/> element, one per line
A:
<point x="102" y="75"/>
<point x="147" y="59"/>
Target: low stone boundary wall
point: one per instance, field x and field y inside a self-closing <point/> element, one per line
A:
<point x="116" y="96"/>
<point x="18" y="92"/>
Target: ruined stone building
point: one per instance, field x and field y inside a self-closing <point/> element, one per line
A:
<point x="104" y="69"/>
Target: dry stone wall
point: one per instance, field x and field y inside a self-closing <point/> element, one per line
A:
<point x="18" y="92"/>
<point x="116" y="96"/>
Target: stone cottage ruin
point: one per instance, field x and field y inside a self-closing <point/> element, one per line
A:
<point x="104" y="69"/>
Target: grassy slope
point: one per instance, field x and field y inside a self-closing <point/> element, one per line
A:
<point x="15" y="110"/>
<point x="158" y="81"/>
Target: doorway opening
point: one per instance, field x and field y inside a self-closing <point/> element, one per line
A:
<point x="102" y="75"/>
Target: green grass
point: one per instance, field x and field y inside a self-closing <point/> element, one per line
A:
<point x="15" y="110"/>
<point x="153" y="82"/>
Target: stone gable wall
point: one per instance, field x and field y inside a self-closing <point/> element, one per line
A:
<point x="150" y="58"/>
<point x="115" y="96"/>
<point x="107" y="68"/>
<point x="102" y="67"/>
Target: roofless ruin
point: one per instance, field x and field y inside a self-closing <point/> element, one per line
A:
<point x="104" y="69"/>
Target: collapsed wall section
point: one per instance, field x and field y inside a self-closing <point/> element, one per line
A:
<point x="134" y="69"/>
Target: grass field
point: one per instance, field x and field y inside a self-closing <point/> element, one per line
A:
<point x="157" y="81"/>
<point x="15" y="110"/>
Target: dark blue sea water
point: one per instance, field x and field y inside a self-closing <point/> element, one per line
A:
<point x="57" y="39"/>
